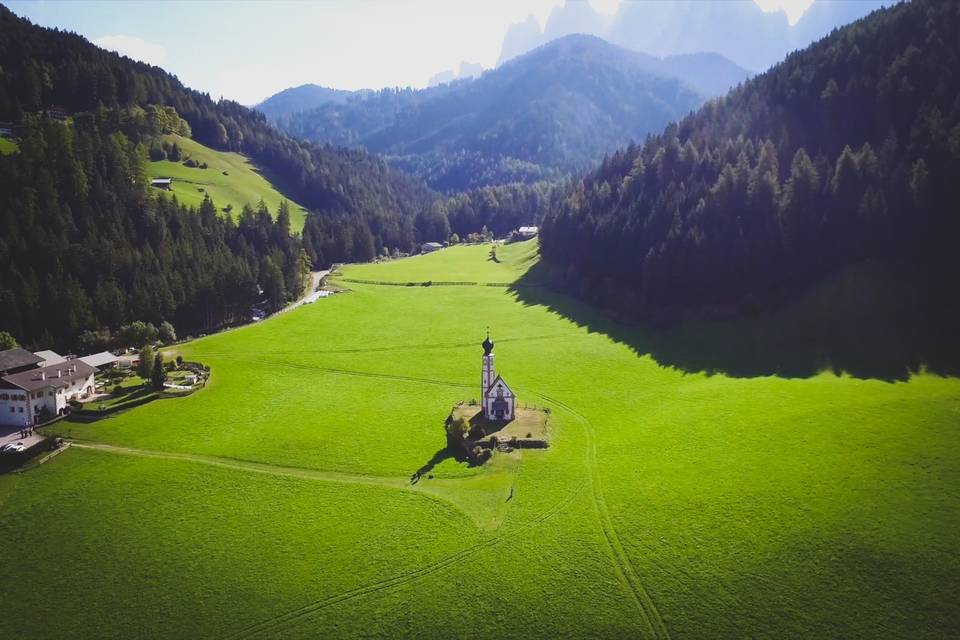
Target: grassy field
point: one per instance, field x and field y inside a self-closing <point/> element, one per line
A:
<point x="8" y="146"/>
<point x="242" y="184"/>
<point x="673" y="501"/>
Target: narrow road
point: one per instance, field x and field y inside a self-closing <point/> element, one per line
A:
<point x="315" y="278"/>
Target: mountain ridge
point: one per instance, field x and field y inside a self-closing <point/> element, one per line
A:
<point x="556" y="109"/>
<point x="737" y="29"/>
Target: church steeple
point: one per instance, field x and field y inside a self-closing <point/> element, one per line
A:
<point x="487" y="372"/>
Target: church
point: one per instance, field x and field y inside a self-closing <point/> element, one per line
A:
<point x="497" y="398"/>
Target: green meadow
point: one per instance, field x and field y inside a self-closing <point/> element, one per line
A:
<point x="230" y="179"/>
<point x="8" y="147"/>
<point x="681" y="496"/>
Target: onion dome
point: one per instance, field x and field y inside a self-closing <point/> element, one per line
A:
<point x="487" y="345"/>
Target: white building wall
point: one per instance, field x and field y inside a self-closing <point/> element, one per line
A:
<point x="14" y="408"/>
<point x="28" y="406"/>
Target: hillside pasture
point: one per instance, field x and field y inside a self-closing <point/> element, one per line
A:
<point x="229" y="179"/>
<point x="277" y="501"/>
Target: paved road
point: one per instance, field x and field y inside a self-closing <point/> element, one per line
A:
<point x="12" y="434"/>
<point x="315" y="278"/>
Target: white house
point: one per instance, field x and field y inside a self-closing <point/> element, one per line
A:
<point x="498" y="400"/>
<point x="31" y="396"/>
<point x="162" y="183"/>
<point x="527" y="232"/>
<point x="430" y="247"/>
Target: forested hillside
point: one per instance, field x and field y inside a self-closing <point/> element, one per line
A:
<point x="847" y="151"/>
<point x="306" y="96"/>
<point x="85" y="247"/>
<point x="554" y="110"/>
<point x="45" y="67"/>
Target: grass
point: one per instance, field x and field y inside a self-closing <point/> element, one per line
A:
<point x="8" y="147"/>
<point x="243" y="183"/>
<point x="672" y="500"/>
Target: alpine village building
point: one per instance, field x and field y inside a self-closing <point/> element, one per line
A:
<point x="33" y="391"/>
<point x="499" y="401"/>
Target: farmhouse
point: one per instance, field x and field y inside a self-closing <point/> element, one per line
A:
<point x="56" y="112"/>
<point x="162" y="183"/>
<point x="527" y="232"/>
<point x="497" y="399"/>
<point x="430" y="247"/>
<point x="32" y="395"/>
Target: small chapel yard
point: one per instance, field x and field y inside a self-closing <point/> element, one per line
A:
<point x="529" y="424"/>
<point x="479" y="438"/>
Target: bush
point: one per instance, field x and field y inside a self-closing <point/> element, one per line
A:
<point x="145" y="367"/>
<point x="117" y="390"/>
<point x="457" y="429"/>
<point x="167" y="333"/>
<point x="137" y="334"/>
<point x="191" y="163"/>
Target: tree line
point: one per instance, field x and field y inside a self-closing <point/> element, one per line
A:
<point x="846" y="151"/>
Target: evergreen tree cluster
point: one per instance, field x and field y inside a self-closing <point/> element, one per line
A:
<point x="86" y="250"/>
<point x="848" y="150"/>
<point x="500" y="209"/>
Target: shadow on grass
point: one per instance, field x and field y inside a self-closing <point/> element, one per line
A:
<point x="869" y="321"/>
<point x="438" y="457"/>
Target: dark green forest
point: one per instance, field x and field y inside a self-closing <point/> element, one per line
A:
<point x="847" y="151"/>
<point x="557" y="109"/>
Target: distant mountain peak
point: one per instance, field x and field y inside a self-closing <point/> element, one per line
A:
<point x="736" y="29"/>
<point x="466" y="70"/>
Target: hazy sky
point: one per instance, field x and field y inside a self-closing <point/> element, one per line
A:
<point x="249" y="50"/>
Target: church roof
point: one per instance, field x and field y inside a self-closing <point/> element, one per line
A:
<point x="493" y="385"/>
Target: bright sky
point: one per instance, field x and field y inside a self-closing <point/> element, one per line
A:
<point x="247" y="51"/>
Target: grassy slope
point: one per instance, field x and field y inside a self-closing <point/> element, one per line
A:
<point x="245" y="184"/>
<point x="721" y="506"/>
<point x="8" y="146"/>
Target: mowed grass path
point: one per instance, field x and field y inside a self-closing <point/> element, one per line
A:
<point x="244" y="184"/>
<point x="671" y="503"/>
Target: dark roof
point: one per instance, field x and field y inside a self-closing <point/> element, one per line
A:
<point x="16" y="359"/>
<point x="487" y="345"/>
<point x="44" y="377"/>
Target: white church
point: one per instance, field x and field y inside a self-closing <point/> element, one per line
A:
<point x="498" y="399"/>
